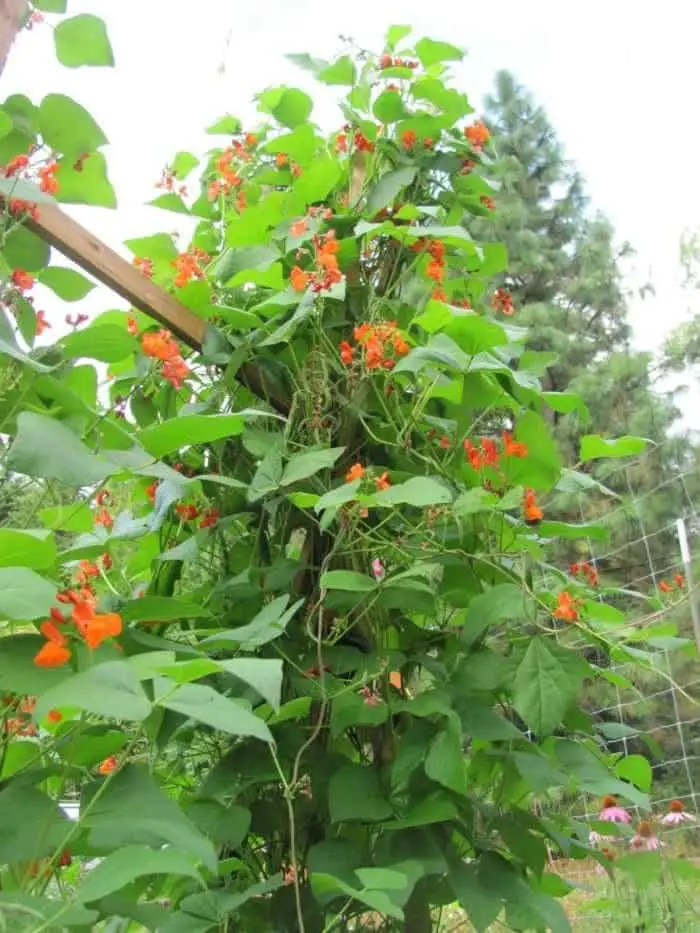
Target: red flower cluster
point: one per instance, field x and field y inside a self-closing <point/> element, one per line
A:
<point x="16" y="165"/>
<point x="93" y="628"/>
<point x="230" y="179"/>
<point x="362" y="144"/>
<point x="386" y="61"/>
<point x="487" y="202"/>
<point x="667" y="587"/>
<point x="567" y="608"/>
<point x="144" y="266"/>
<point x="210" y="517"/>
<point x="188" y="266"/>
<point x="187" y="513"/>
<point x="162" y="346"/>
<point x="379" y="343"/>
<point x="533" y="513"/>
<point x="502" y="301"/>
<point x="586" y="570"/>
<point x="19" y="208"/>
<point x="15" y="713"/>
<point x="487" y="453"/>
<point x="22" y="280"/>
<point x="478" y="135"/>
<point x="102" y="517"/>
<point x="357" y="471"/>
<point x="167" y="183"/>
<point x="327" y="271"/>
<point x="41" y="323"/>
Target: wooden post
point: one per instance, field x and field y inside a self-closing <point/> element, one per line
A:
<point x="12" y="15"/>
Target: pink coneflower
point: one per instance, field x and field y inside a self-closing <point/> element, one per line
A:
<point x="676" y="815"/>
<point x="378" y="570"/>
<point x="612" y="812"/>
<point x="646" y="839"/>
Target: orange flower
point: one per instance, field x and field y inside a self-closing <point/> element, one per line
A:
<point x="478" y="134"/>
<point x="408" y="139"/>
<point x="356" y="471"/>
<point x="489" y="451"/>
<point x="187" y="512"/>
<point x="400" y="346"/>
<point x="445" y="442"/>
<point x="151" y="490"/>
<point x="175" y="371"/>
<point x="487" y="202"/>
<point x="299" y="227"/>
<point x="102" y="517"/>
<point x="680" y="580"/>
<point x="132" y="326"/>
<point x="473" y="454"/>
<point x="16" y="165"/>
<point x="108" y="765"/>
<point x="428" y="142"/>
<point x="299" y="279"/>
<point x="48" y="182"/>
<point x="362" y="143"/>
<point x="435" y="270"/>
<point x="383" y="482"/>
<point x="341" y="142"/>
<point x="513" y="448"/>
<point x="665" y="587"/>
<point x="54" y="715"/>
<point x="251" y="140"/>
<point x="188" y="266"/>
<point x="295" y="169"/>
<point x="160" y="345"/>
<point x="346" y="352"/>
<point x="281" y="159"/>
<point x="54" y="653"/>
<point x="439" y="294"/>
<point x="22" y="280"/>
<point x="566" y="608"/>
<point x="533" y="513"/>
<point x="41" y="323"/>
<point x="86" y="571"/>
<point x="502" y="301"/>
<point x="95" y="628"/>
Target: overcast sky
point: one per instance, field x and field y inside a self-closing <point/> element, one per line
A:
<point x="616" y="77"/>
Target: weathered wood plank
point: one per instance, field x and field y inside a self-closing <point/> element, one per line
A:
<point x="108" y="267"/>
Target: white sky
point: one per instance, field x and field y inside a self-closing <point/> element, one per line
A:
<point x="616" y="77"/>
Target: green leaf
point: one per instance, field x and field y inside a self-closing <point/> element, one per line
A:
<point x="389" y="107"/>
<point x="170" y="202"/>
<point x="74" y="517"/>
<point x="159" y="246"/>
<point x="395" y="34"/>
<point x="445" y="759"/>
<point x="347" y="580"/>
<point x="542" y="688"/>
<point x="51" y="6"/>
<point x="636" y="769"/>
<point x="24" y="250"/>
<point x="105" y="342"/>
<point x="264" y="675"/>
<point x="542" y="466"/>
<point x="306" y="464"/>
<point x="267" y="475"/>
<point x="47" y="449"/>
<point x="385" y="191"/>
<point x="291" y="107"/>
<point x="185" y="430"/>
<point x="83" y="40"/>
<point x="161" y="609"/>
<point x="267" y="625"/>
<point x="472" y="333"/>
<point x="420" y="491"/>
<point x="244" y="259"/>
<point x="325" y="885"/>
<point x="226" y="126"/>
<point x="338" y="496"/>
<point x="572" y="530"/>
<point x="111" y="690"/>
<point x="340" y="72"/>
<point x="431" y="52"/>
<point x="29" y="547"/>
<point x="68" y="127"/>
<point x="90" y="185"/>
<point x="129" y="864"/>
<point x="354" y="793"/>
<point x="133" y="809"/>
<point x="482" y="904"/>
<point x="506" y="601"/>
<point x="24" y="594"/>
<point x="205" y="705"/>
<point x="66" y="283"/>
<point x="644" y="867"/>
<point x="31" y="824"/>
<point x="16" y="907"/>
<point x="183" y="164"/>
<point x="319" y="180"/>
<point x="593" y="447"/>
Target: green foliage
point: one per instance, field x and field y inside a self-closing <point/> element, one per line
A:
<point x="309" y="654"/>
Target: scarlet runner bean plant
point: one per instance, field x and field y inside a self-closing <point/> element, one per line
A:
<point x="292" y="640"/>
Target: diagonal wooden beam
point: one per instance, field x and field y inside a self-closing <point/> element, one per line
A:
<point x="108" y="267"/>
<point x="92" y="255"/>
